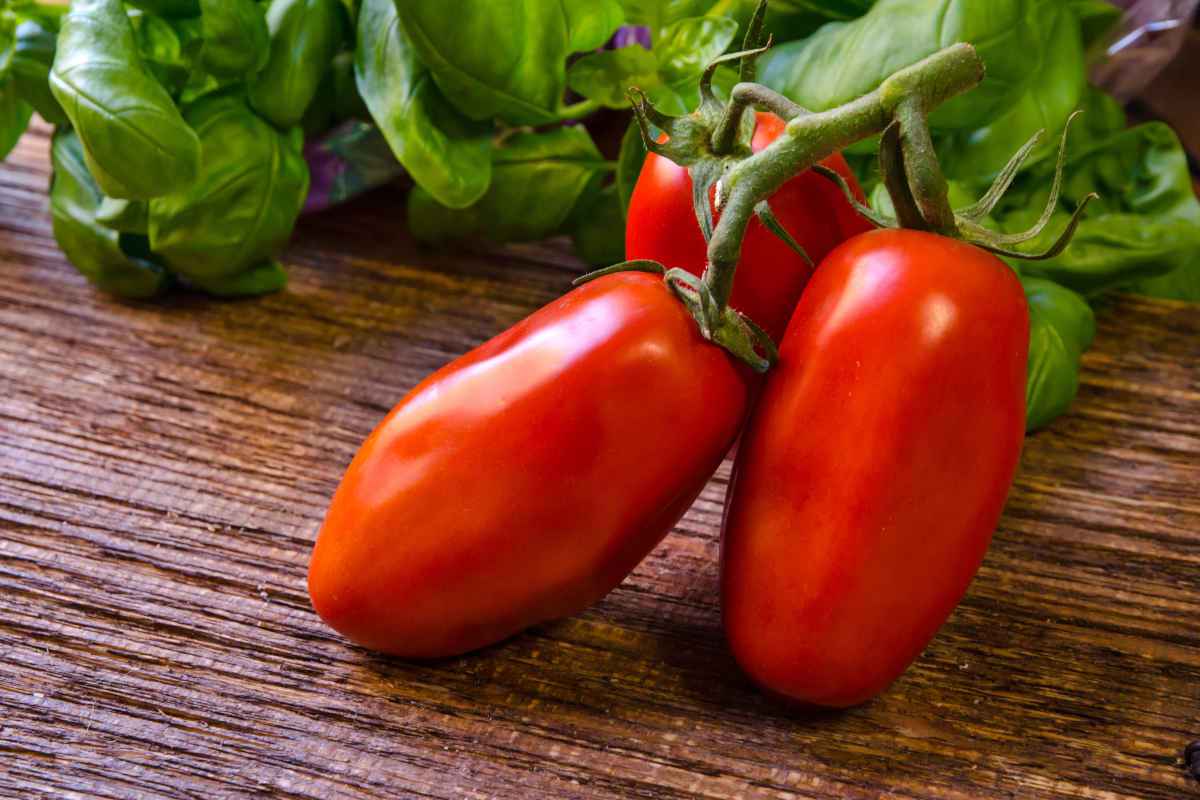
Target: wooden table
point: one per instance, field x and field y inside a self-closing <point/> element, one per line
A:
<point x="164" y="469"/>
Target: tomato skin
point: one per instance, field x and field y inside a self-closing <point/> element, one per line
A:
<point x="875" y="466"/>
<point x="662" y="227"/>
<point x="526" y="479"/>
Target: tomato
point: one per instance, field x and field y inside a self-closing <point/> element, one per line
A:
<point x="875" y="466"/>
<point x="525" y="480"/>
<point x="662" y="227"/>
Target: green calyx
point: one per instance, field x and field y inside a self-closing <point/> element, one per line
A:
<point x="910" y="171"/>
<point x="719" y="324"/>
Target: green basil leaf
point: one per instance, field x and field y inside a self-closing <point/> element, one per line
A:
<point x="826" y="9"/>
<point x="446" y="154"/>
<point x="597" y="224"/>
<point x="1181" y="283"/>
<point x="237" y="41"/>
<point x="134" y="137"/>
<point x="844" y="60"/>
<point x="687" y="46"/>
<point x="494" y="58"/>
<point x="241" y="210"/>
<point x="201" y="81"/>
<point x="124" y="216"/>
<point x="669" y="75"/>
<point x="536" y="180"/>
<point x="14" y="117"/>
<point x="263" y="278"/>
<point x="629" y="165"/>
<point x="591" y="22"/>
<point x="606" y="76"/>
<point x="305" y="36"/>
<point x="47" y="14"/>
<point x="8" y="42"/>
<point x="162" y="51"/>
<point x="1146" y="222"/>
<point x="94" y="249"/>
<point x="979" y="155"/>
<point x="658" y="14"/>
<point x="168" y="8"/>
<point x="1062" y="327"/>
<point x="33" y="56"/>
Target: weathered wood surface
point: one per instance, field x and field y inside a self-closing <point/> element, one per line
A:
<point x="163" y="471"/>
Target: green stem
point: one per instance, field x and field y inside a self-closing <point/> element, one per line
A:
<point x="747" y="95"/>
<point x="578" y="110"/>
<point x="812" y="137"/>
<point x="727" y="129"/>
<point x="926" y="181"/>
<point x="761" y="97"/>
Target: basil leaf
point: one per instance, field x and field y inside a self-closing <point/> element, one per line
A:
<point x="597" y="224"/>
<point x="687" y="46"/>
<point x="449" y="156"/>
<point x="658" y="14"/>
<point x="135" y="140"/>
<point x="237" y="41"/>
<point x="305" y="36"/>
<point x="494" y="58"/>
<point x="1146" y="222"/>
<point x="629" y="165"/>
<point x="1181" y="283"/>
<point x="827" y="9"/>
<point x="606" y="76"/>
<point x="94" y="249"/>
<point x="844" y="60"/>
<point x="47" y="14"/>
<point x="591" y="22"/>
<point x="1062" y="327"/>
<point x="33" y="55"/>
<point x="536" y="180"/>
<point x="669" y="75"/>
<point x="162" y="51"/>
<point x="14" y="117"/>
<point x="242" y="208"/>
<point x="263" y="278"/>
<point x="8" y="41"/>
<point x="980" y="154"/>
<point x="168" y="8"/>
<point x="124" y="216"/>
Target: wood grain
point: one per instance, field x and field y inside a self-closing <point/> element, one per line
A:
<point x="164" y="468"/>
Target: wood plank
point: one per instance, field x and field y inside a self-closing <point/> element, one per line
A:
<point x="164" y="468"/>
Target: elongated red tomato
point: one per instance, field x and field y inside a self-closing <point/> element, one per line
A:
<point x="525" y="480"/>
<point x="662" y="227"/>
<point x="875" y="466"/>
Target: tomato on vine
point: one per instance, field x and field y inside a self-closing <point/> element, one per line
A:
<point x="771" y="275"/>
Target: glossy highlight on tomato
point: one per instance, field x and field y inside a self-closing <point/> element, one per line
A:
<point x="875" y="465"/>
<point x="662" y="227"/>
<point x="526" y="479"/>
